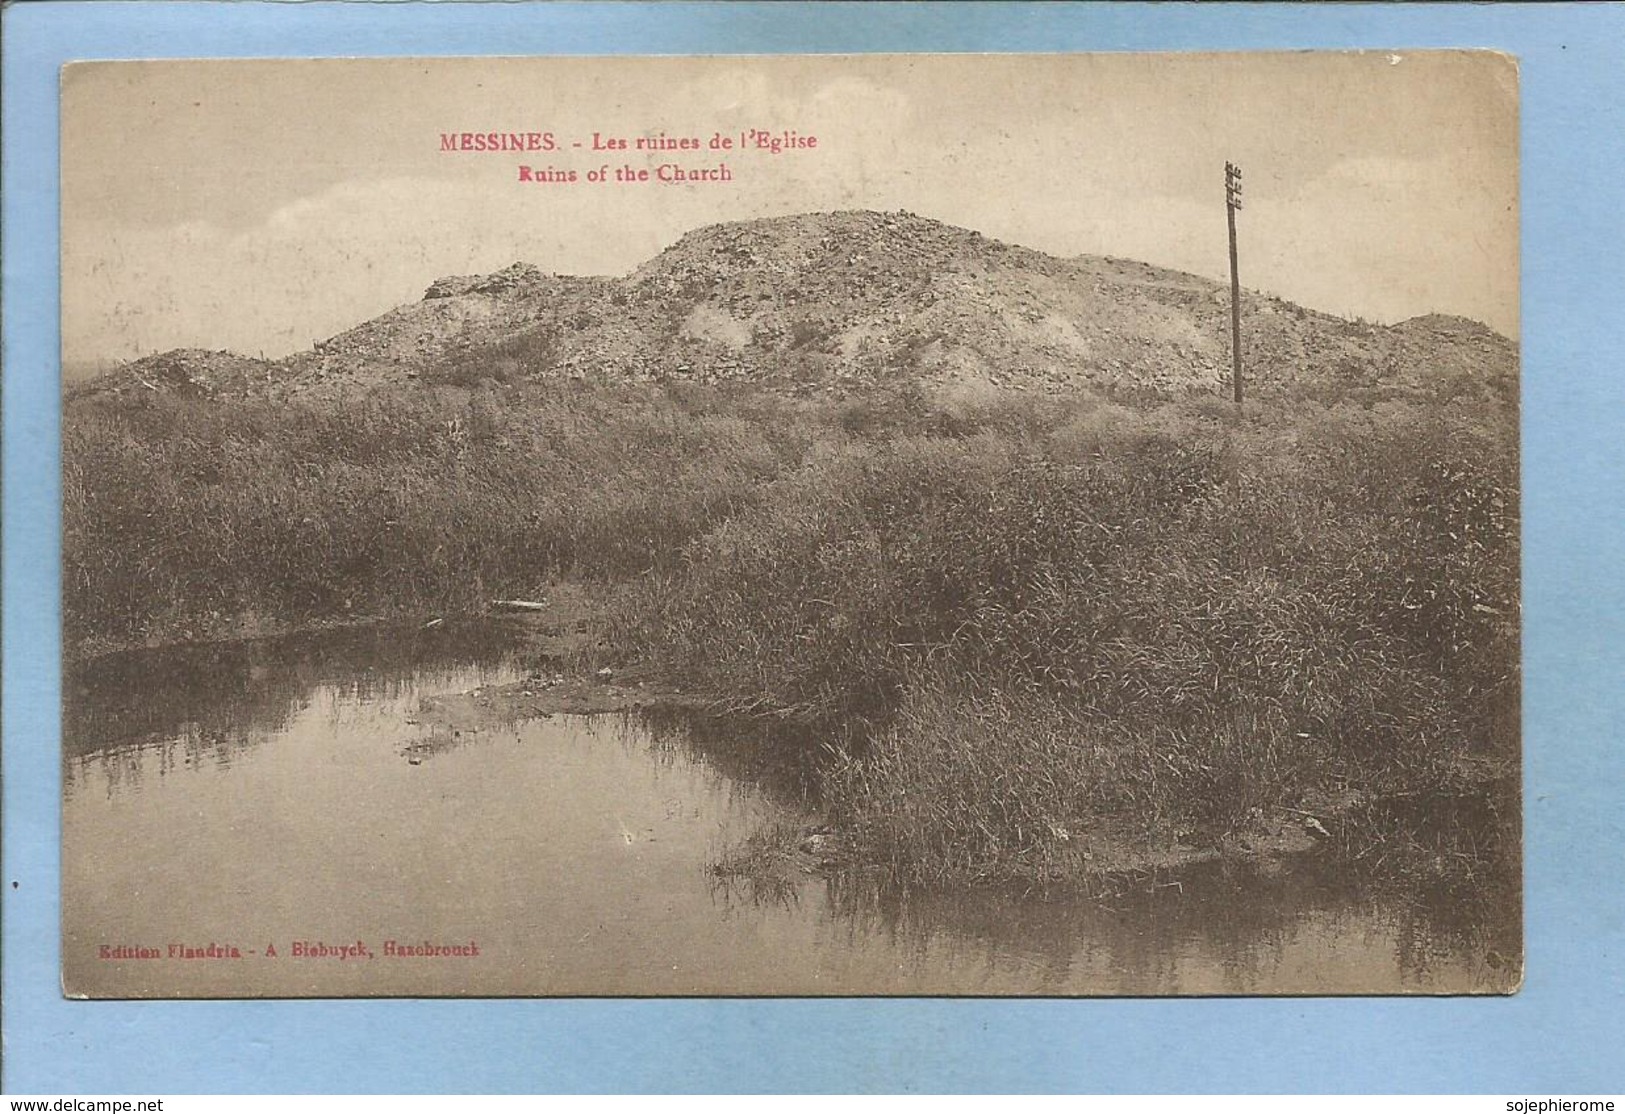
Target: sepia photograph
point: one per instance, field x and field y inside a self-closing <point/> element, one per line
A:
<point x="955" y="525"/>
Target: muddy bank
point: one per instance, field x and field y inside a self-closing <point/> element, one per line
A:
<point x="222" y="632"/>
<point x="1102" y="848"/>
<point x="543" y="694"/>
<point x="1107" y="853"/>
<point x="558" y="644"/>
<point x="560" y="626"/>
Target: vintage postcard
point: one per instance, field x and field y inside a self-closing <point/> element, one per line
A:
<point x="821" y="525"/>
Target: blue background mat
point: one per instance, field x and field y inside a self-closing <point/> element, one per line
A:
<point x="1563" y="1033"/>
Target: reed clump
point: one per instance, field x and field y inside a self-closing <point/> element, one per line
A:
<point x="182" y="517"/>
<point x="1009" y="617"/>
<point x="1070" y="611"/>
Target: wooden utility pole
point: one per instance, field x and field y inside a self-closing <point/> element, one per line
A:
<point x="1232" y="202"/>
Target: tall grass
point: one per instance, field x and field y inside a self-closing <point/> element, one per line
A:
<point x="1066" y="609"/>
<point x="182" y="515"/>
<point x="1008" y="617"/>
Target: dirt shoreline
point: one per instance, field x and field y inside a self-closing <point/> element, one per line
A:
<point x="1105" y="849"/>
<point x="1108" y="846"/>
<point x="555" y="630"/>
<point x="545" y="694"/>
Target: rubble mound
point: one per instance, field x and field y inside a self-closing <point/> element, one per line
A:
<point x="190" y="372"/>
<point x="857" y="298"/>
<point x="514" y="278"/>
<point x="1456" y="355"/>
<point x="850" y="300"/>
<point x="452" y="286"/>
<point x="457" y="316"/>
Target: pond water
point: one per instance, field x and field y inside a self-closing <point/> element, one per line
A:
<point x="266" y="795"/>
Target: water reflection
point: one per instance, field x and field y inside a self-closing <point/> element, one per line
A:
<point x="282" y="790"/>
<point x="202" y="704"/>
<point x="777" y="757"/>
<point x="1221" y="928"/>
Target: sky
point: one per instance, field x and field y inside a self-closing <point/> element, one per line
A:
<point x="263" y="205"/>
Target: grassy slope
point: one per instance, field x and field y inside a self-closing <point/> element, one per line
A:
<point x="1068" y="611"/>
<point x="182" y="516"/>
<point x="1009" y="619"/>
